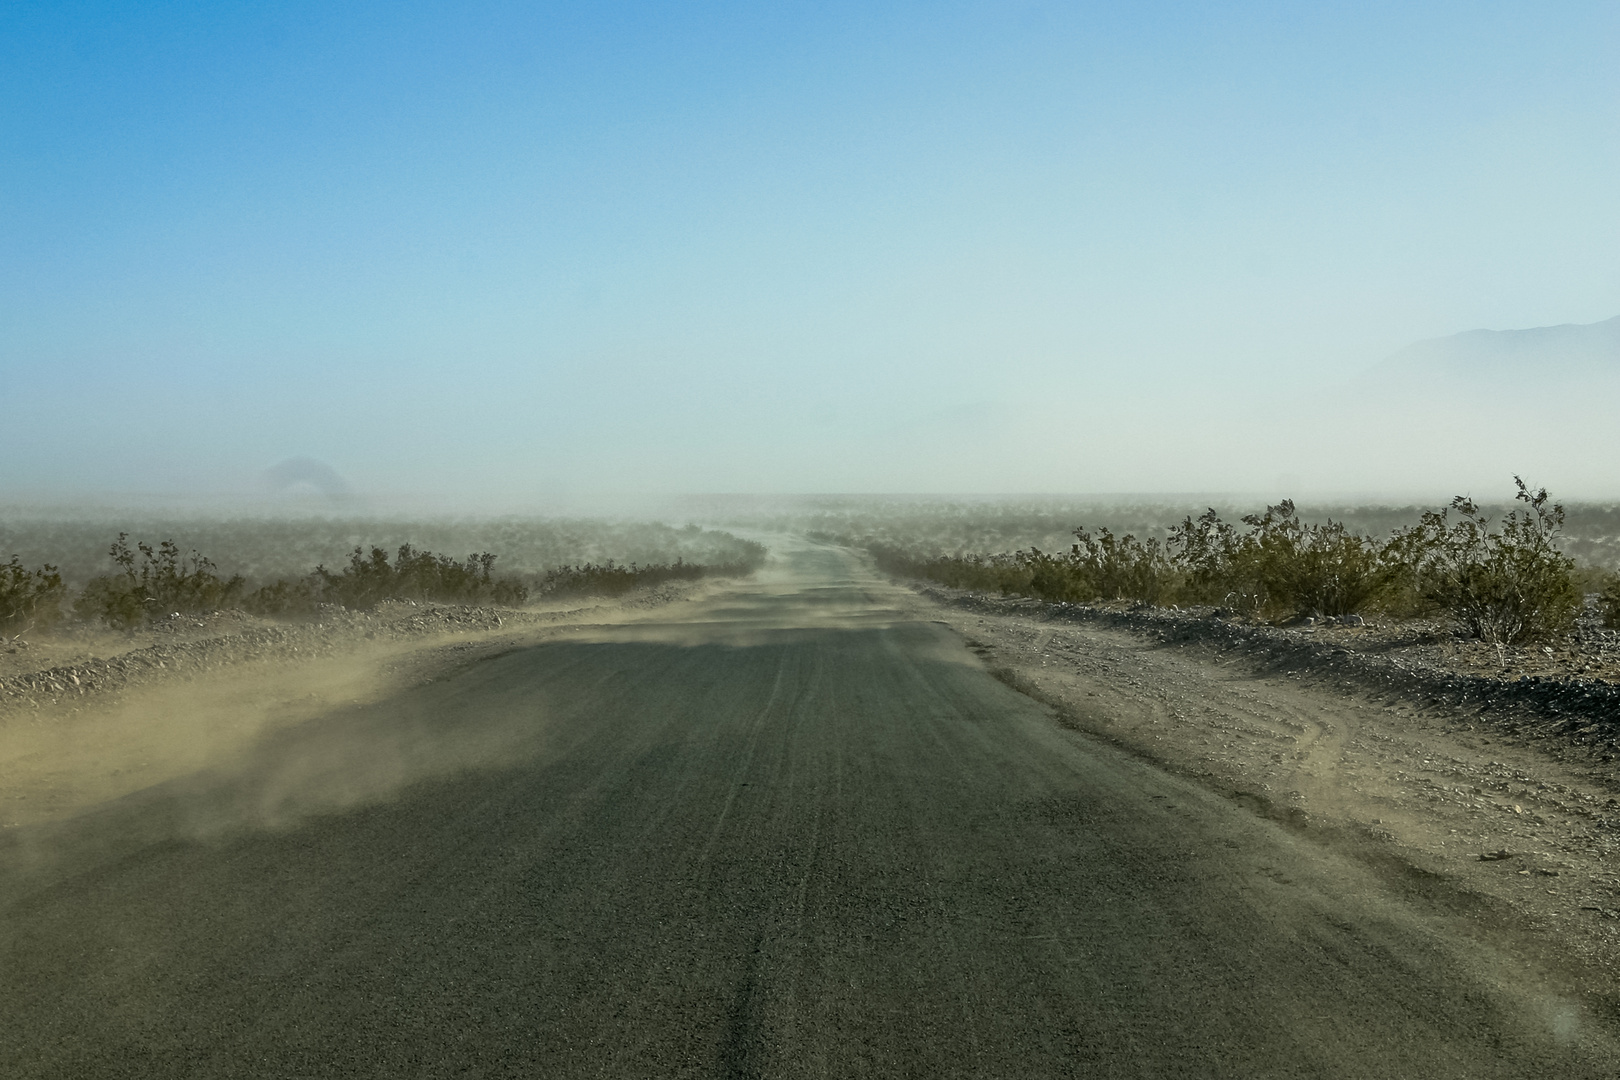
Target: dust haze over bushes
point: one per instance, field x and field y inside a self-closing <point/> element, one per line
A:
<point x="262" y="548"/>
<point x="29" y="597"/>
<point x="555" y="560"/>
<point x="967" y="525"/>
<point x="1503" y="575"/>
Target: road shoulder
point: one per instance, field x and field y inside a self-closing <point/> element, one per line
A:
<point x="123" y="712"/>
<point x="1470" y="814"/>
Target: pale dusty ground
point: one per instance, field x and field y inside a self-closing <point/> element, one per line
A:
<point x="92" y="717"/>
<point x="1424" y="793"/>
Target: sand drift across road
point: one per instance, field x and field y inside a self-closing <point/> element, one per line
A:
<point x="794" y="829"/>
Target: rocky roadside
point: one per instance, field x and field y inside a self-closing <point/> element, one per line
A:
<point x="1488" y="797"/>
<point x="77" y="671"/>
<point x="1571" y="691"/>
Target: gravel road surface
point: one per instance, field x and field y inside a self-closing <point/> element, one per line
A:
<point x="795" y="829"/>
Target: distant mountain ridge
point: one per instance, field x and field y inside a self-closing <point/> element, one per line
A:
<point x="1476" y="408"/>
<point x="1572" y="350"/>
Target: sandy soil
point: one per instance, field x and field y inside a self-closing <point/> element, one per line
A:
<point x="1475" y="808"/>
<point x="95" y="715"/>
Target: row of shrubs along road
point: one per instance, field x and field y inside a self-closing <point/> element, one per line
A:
<point x="1504" y="582"/>
<point x="150" y="583"/>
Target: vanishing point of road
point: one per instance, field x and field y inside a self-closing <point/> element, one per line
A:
<point x="794" y="829"/>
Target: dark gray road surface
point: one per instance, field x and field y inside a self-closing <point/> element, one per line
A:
<point x="796" y="833"/>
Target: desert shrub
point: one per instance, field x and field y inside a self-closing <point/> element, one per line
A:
<point x="1609" y="602"/>
<point x="1103" y="566"/>
<point x="1588" y="579"/>
<point x="1302" y="569"/>
<point x="149" y="582"/>
<point x="1122" y="567"/>
<point x="1331" y="572"/>
<point x="745" y="557"/>
<point x="1273" y="564"/>
<point x="414" y="575"/>
<point x="370" y="578"/>
<point x="285" y="598"/>
<point x="266" y="549"/>
<point x="1007" y="574"/>
<point x="1279" y="565"/>
<point x="1100" y="567"/>
<point x="111" y="599"/>
<point x="1053" y="578"/>
<point x="1209" y="552"/>
<point x="1502" y="586"/>
<point x="160" y="582"/>
<point x="29" y="598"/>
<point x="613" y="579"/>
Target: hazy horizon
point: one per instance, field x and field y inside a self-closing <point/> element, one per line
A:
<point x="491" y="257"/>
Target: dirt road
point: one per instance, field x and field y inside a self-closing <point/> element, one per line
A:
<point x="794" y="829"/>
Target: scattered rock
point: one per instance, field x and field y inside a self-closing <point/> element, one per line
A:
<point x="1415" y="659"/>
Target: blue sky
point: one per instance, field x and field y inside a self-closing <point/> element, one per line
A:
<point x="522" y="251"/>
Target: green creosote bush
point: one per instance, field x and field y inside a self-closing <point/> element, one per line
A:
<point x="1006" y="574"/>
<point x="1503" y="586"/>
<point x="284" y="598"/>
<point x="419" y="575"/>
<point x="1590" y="579"/>
<point x="159" y="583"/>
<point x="29" y="599"/>
<point x="612" y="579"/>
<point x="1055" y="578"/>
<point x="1104" y="567"/>
<point x="370" y="578"/>
<point x="1280" y="566"/>
<point x="1609" y="602"/>
<point x="153" y="583"/>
